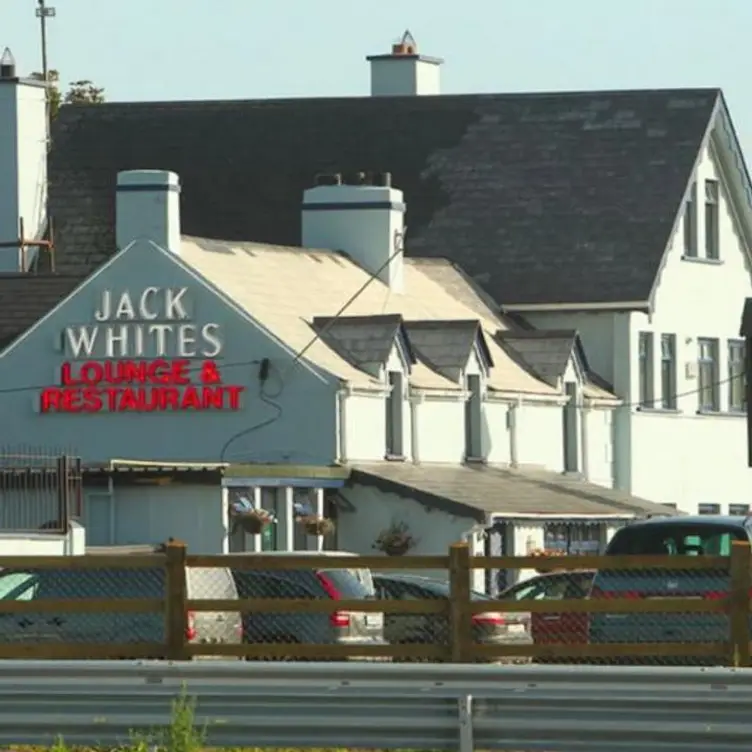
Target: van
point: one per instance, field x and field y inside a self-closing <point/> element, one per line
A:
<point x="118" y="627"/>
<point x="314" y="581"/>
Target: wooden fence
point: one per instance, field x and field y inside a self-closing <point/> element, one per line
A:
<point x="459" y="608"/>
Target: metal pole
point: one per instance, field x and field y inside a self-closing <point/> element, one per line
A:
<point x="43" y="12"/>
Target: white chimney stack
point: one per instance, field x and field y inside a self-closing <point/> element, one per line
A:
<point x="148" y="207"/>
<point x="404" y="73"/>
<point x="23" y="164"/>
<point x="364" y="218"/>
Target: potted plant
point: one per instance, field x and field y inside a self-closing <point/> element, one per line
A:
<point x="250" y="519"/>
<point x="314" y="525"/>
<point x="395" y="540"/>
<point x="547" y="552"/>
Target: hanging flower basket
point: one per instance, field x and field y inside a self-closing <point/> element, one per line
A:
<point x="395" y="540"/>
<point x="314" y="525"/>
<point x="252" y="521"/>
<point x="546" y="566"/>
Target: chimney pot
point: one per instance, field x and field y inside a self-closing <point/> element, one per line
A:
<point x="325" y="178"/>
<point x="357" y="178"/>
<point x="383" y="179"/>
<point x="7" y="64"/>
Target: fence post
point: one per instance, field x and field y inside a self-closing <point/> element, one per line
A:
<point x="176" y="595"/>
<point x="460" y="626"/>
<point x="741" y="583"/>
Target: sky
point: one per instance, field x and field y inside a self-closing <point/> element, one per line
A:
<point x="141" y="50"/>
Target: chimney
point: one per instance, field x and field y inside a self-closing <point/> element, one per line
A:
<point x="23" y="164"/>
<point x="403" y="72"/>
<point x="148" y="207"/>
<point x="362" y="215"/>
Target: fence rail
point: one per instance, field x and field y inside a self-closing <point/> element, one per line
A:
<point x="379" y="706"/>
<point x="157" y="585"/>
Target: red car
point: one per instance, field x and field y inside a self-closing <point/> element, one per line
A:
<point x="556" y="628"/>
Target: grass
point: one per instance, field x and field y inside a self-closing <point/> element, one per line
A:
<point x="181" y="736"/>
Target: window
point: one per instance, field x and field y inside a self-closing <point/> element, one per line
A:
<point x="690" y="223"/>
<point x="645" y="354"/>
<point x="668" y="371"/>
<point x="708" y="509"/>
<point x="712" y="228"/>
<point x="742" y="509"/>
<point x="394" y="423"/>
<point x="708" y="374"/>
<point x="737" y="377"/>
<point x="572" y="538"/>
<point x="473" y="419"/>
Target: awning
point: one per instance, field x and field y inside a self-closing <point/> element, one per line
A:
<point x="480" y="491"/>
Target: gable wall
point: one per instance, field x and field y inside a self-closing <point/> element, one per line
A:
<point x="684" y="457"/>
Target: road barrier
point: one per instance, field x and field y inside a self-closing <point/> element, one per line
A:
<point x="381" y="705"/>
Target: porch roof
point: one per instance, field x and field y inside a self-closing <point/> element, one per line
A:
<point x="481" y="490"/>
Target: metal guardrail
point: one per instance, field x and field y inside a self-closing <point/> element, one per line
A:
<point x="382" y="706"/>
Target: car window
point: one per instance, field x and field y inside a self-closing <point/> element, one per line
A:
<point x="579" y="586"/>
<point x="255" y="585"/>
<point x="542" y="588"/>
<point x="692" y="539"/>
<point x="83" y="583"/>
<point x="347" y="585"/>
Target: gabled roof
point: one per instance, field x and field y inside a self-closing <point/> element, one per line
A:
<point x="478" y="490"/>
<point x="365" y="340"/>
<point x="563" y="197"/>
<point x="287" y="289"/>
<point x="446" y="346"/>
<point x="546" y="352"/>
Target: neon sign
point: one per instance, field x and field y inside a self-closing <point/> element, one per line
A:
<point x="116" y="374"/>
<point x="139" y="386"/>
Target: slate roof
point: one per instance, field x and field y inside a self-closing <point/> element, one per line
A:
<point x="447" y="345"/>
<point x="25" y="298"/>
<point x="287" y="289"/>
<point x="476" y="490"/>
<point x="364" y="340"/>
<point x="546" y="352"/>
<point x="565" y="197"/>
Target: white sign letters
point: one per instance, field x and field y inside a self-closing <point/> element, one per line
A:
<point x="153" y="324"/>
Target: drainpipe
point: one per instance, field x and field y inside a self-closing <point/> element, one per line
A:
<point x="416" y="398"/>
<point x="342" y="395"/>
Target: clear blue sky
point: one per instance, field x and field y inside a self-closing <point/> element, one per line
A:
<point x="241" y="49"/>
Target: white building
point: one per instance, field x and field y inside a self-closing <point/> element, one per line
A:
<point x="674" y="353"/>
<point x="402" y="399"/>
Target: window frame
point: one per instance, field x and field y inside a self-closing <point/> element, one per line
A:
<point x="474" y="417"/>
<point x="712" y="220"/>
<point x="707" y="375"/>
<point x="668" y="372"/>
<point x="737" y="375"/>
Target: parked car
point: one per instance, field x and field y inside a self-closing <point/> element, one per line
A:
<point x="113" y="583"/>
<point x="705" y="535"/>
<point x="563" y="628"/>
<point x="316" y="581"/>
<point x="489" y="628"/>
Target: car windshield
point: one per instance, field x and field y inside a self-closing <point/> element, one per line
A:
<point x="440" y="589"/>
<point x="348" y="584"/>
<point x="691" y="539"/>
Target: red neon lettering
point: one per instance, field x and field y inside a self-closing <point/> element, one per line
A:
<point x="138" y="386"/>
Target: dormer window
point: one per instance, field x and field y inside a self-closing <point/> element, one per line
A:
<point x="474" y="418"/>
<point x="395" y="402"/>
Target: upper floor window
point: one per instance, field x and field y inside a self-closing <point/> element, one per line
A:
<point x="737" y="376"/>
<point x="742" y="509"/>
<point x="395" y="446"/>
<point x="474" y="418"/>
<point x="570" y="426"/>
<point x="707" y="367"/>
<point x="712" y="227"/>
<point x="645" y="357"/>
<point x="708" y="508"/>
<point x="668" y="371"/>
<point x="690" y="223"/>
